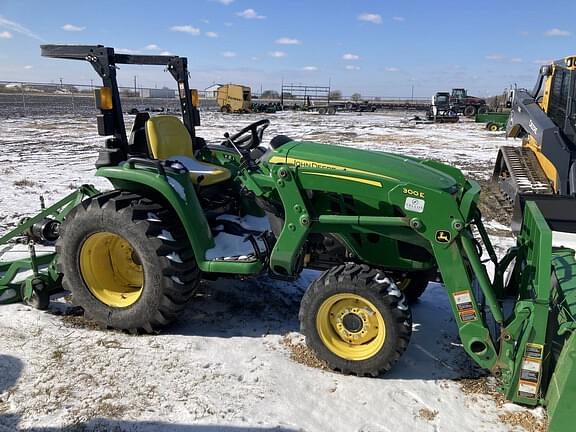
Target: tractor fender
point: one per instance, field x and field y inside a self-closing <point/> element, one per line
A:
<point x="178" y="191"/>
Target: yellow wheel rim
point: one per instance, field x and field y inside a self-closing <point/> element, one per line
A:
<point x="493" y="128"/>
<point x="111" y="269"/>
<point x="350" y="326"/>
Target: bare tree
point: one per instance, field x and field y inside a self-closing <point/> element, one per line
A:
<point x="336" y="95"/>
<point x="270" y="94"/>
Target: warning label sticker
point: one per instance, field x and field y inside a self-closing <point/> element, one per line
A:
<point x="534" y="350"/>
<point x="463" y="301"/>
<point x="527" y="389"/>
<point x="530" y="371"/>
<point x="468" y="315"/>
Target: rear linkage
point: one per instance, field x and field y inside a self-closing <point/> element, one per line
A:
<point x="27" y="257"/>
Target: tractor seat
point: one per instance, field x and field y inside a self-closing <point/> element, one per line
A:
<point x="168" y="139"/>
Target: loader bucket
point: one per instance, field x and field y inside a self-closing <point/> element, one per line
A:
<point x="561" y="392"/>
<point x="542" y="342"/>
<point x="558" y="211"/>
<point x="561" y="395"/>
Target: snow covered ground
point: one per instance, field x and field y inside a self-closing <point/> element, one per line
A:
<point x="234" y="361"/>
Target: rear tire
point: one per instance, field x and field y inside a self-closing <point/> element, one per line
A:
<point x="494" y="127"/>
<point x="322" y="111"/>
<point x="127" y="262"/>
<point x="482" y="110"/>
<point x="356" y="320"/>
<point x="470" y="110"/>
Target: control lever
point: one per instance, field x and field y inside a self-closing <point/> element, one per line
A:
<point x="243" y="157"/>
<point x="227" y="136"/>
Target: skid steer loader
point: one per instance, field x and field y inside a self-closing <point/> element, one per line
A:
<point x="378" y="225"/>
<point x="543" y="168"/>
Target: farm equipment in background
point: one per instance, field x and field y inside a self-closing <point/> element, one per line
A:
<point x="234" y="98"/>
<point x="543" y="169"/>
<point x="308" y="98"/>
<point x="462" y="103"/>
<point x="495" y="121"/>
<point x="182" y="209"/>
<point x="360" y="106"/>
<point x="440" y="110"/>
<point x="266" y="107"/>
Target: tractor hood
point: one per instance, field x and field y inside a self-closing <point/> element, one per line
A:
<point x="394" y="167"/>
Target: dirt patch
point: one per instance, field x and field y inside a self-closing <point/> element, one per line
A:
<point x="300" y="353"/>
<point x="487" y="386"/>
<point x="493" y="205"/>
<point x="24" y="183"/>
<point x="78" y="321"/>
<point x="427" y="414"/>
<point x="482" y="386"/>
<point x="524" y="419"/>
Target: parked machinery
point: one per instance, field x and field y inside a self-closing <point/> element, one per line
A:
<point x="440" y="110"/>
<point x="234" y="98"/>
<point x="543" y="168"/>
<point x="462" y="103"/>
<point x="181" y="210"/>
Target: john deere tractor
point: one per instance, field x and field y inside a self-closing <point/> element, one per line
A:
<point x="378" y="226"/>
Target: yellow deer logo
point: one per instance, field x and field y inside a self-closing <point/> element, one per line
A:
<point x="443" y="236"/>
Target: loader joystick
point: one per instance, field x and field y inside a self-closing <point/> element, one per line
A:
<point x="245" y="141"/>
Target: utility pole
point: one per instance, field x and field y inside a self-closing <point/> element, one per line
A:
<point x="135" y="92"/>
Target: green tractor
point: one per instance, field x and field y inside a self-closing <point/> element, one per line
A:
<point x="379" y="226"/>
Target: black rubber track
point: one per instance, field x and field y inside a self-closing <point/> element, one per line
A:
<point x="368" y="283"/>
<point x="171" y="275"/>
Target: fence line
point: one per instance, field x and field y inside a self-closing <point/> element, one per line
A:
<point x="34" y="98"/>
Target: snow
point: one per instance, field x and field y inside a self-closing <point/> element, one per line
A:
<point x="223" y="366"/>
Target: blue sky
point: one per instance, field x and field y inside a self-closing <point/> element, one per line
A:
<point x="374" y="47"/>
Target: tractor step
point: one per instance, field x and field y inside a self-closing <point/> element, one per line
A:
<point x="238" y="238"/>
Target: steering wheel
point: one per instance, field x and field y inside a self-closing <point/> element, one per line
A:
<point x="248" y="141"/>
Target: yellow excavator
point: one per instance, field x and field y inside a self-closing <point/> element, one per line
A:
<point x="543" y="168"/>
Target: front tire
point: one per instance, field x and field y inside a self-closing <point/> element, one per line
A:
<point x="356" y="320"/>
<point x="127" y="262"/>
<point x="413" y="285"/>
